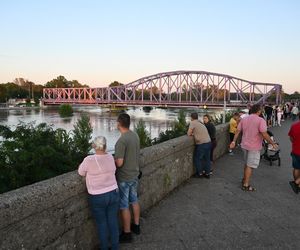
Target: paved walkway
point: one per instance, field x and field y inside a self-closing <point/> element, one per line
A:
<point x="217" y="214"/>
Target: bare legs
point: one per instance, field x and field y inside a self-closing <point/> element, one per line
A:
<point x="136" y="213"/>
<point x="126" y="217"/>
<point x="247" y="175"/>
<point x="296" y="174"/>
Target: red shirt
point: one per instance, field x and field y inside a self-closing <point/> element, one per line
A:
<point x="295" y="135"/>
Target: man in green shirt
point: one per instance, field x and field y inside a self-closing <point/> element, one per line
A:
<point x="127" y="153"/>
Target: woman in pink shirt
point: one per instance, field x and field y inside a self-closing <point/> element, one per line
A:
<point x="99" y="172"/>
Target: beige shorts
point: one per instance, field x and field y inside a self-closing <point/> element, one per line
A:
<point x="252" y="158"/>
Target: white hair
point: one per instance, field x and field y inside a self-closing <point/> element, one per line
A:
<point x="99" y="143"/>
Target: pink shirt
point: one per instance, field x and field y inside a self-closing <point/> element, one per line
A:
<point x="252" y="127"/>
<point x="100" y="173"/>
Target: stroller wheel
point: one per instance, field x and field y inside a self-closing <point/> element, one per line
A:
<point x="271" y="163"/>
<point x="279" y="162"/>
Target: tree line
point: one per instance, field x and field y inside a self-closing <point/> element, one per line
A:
<point x="22" y="88"/>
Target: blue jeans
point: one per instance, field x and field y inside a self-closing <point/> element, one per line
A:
<point x="202" y="158"/>
<point x="128" y="193"/>
<point x="105" y="208"/>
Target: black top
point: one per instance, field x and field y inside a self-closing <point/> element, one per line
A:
<point x="211" y="130"/>
<point x="268" y="110"/>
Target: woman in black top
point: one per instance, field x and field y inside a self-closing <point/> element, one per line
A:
<point x="212" y="133"/>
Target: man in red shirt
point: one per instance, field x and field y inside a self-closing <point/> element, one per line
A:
<point x="294" y="135"/>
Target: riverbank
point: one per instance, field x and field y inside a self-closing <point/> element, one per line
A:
<point x="21" y="108"/>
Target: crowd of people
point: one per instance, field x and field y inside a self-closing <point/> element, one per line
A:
<point x="112" y="181"/>
<point x="254" y="129"/>
<point x="274" y="115"/>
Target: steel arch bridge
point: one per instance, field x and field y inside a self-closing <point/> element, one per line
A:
<point x="172" y="89"/>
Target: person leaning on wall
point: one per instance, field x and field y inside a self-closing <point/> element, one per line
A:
<point x="212" y="134"/>
<point x="99" y="173"/>
<point x="202" y="147"/>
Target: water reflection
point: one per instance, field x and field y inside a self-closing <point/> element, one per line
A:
<point x="4" y="116"/>
<point x="102" y="120"/>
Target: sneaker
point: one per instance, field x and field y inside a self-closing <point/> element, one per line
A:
<point x="125" y="237"/>
<point x="207" y="176"/>
<point x="135" y="228"/>
<point x="197" y="176"/>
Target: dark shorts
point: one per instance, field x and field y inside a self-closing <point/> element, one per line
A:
<point x="296" y="161"/>
<point x="231" y="136"/>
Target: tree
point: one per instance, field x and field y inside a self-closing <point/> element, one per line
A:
<point x="25" y="84"/>
<point x="59" y="82"/>
<point x="82" y="135"/>
<point x="76" y="84"/>
<point x="62" y="82"/>
<point x="115" y="84"/>
<point x="3" y="93"/>
<point x="15" y="91"/>
<point x="21" y="82"/>
<point x="144" y="135"/>
<point x="65" y="110"/>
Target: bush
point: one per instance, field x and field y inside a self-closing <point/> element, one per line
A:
<point x="36" y="101"/>
<point x="33" y="153"/>
<point x="218" y="119"/>
<point x="144" y="135"/>
<point x="179" y="128"/>
<point x="65" y="110"/>
<point x="82" y="135"/>
<point x="28" y="102"/>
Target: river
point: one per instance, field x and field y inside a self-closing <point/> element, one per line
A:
<point x="102" y="120"/>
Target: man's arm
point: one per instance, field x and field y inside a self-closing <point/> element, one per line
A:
<point x="119" y="162"/>
<point x="266" y="136"/>
<point x="120" y="150"/>
<point x="190" y="132"/>
<point x="236" y="136"/>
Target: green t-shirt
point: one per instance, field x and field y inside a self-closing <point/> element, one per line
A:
<point x="128" y="148"/>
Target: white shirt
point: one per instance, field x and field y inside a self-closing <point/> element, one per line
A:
<point x="295" y="110"/>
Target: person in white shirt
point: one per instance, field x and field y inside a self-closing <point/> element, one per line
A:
<point x="279" y="115"/>
<point x="294" y="112"/>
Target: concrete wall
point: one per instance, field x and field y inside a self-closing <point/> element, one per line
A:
<point x="54" y="214"/>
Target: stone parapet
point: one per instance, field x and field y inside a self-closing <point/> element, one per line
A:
<point x="54" y="214"/>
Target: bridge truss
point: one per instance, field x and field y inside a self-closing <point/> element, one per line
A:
<point x="172" y="89"/>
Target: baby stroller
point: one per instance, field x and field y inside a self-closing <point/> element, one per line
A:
<point x="269" y="153"/>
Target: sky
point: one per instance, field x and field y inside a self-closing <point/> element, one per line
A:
<point x="97" y="42"/>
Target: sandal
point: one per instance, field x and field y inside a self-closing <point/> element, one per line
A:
<point x="248" y="188"/>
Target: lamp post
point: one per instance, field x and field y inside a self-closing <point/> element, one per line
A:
<point x="224" y="112"/>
